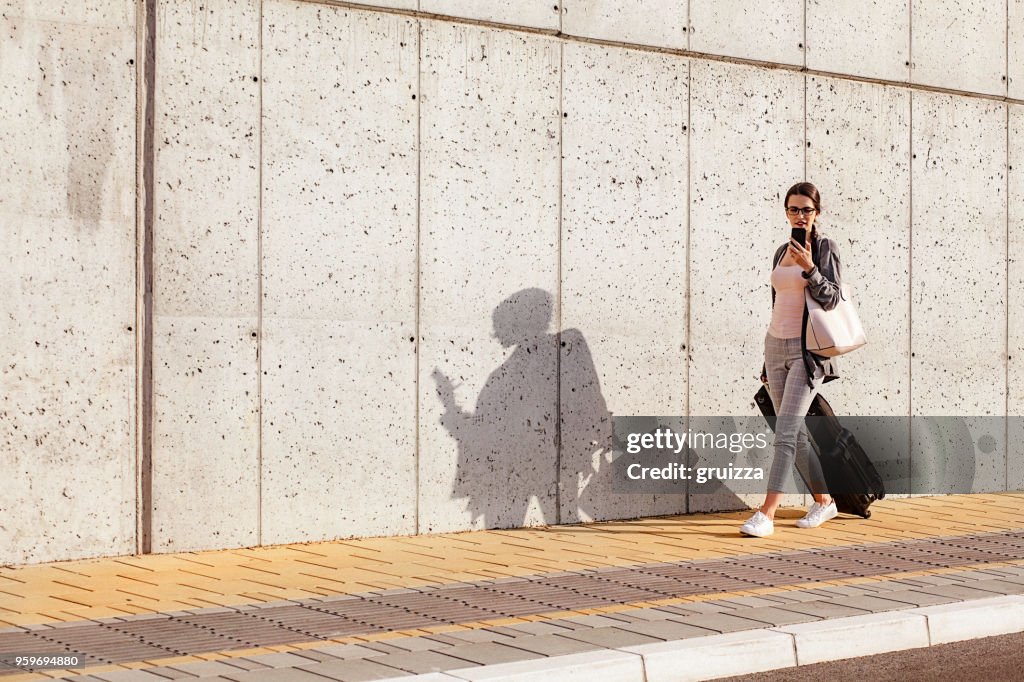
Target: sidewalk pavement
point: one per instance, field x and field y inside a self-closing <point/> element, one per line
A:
<point x="617" y="600"/>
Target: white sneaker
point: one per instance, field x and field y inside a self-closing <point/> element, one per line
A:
<point x="818" y="514"/>
<point x="758" y="525"/>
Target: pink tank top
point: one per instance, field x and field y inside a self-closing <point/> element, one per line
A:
<point x="788" y="313"/>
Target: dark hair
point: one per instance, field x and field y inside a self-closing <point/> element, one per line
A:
<point x="806" y="189"/>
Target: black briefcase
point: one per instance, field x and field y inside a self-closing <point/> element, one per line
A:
<point x="852" y="480"/>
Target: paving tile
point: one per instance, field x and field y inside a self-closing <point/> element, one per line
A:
<point x="489" y="653"/>
<point x="611" y="637"/>
<point x="280" y="660"/>
<point x="999" y="586"/>
<point x="275" y="675"/>
<point x="355" y="670"/>
<point x="207" y="668"/>
<point x="347" y="651"/>
<point x="1012" y="578"/>
<point x="643" y="615"/>
<point x="932" y="580"/>
<point x="539" y="628"/>
<point x="747" y="602"/>
<point x="823" y="609"/>
<point x="879" y="587"/>
<point x="383" y="648"/>
<point x="553" y="645"/>
<point x="961" y="592"/>
<point x="316" y="656"/>
<point x="593" y="621"/>
<point x="444" y="640"/>
<point x="166" y="673"/>
<point x="129" y="676"/>
<point x="873" y="604"/>
<point x="476" y="635"/>
<point x="800" y="596"/>
<point x="695" y="608"/>
<point x="839" y="591"/>
<point x="416" y="644"/>
<point x="921" y="598"/>
<point x="719" y="622"/>
<point x="667" y="630"/>
<point x="773" y="615"/>
<point x="418" y="662"/>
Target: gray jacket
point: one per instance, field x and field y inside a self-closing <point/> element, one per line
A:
<point x="824" y="283"/>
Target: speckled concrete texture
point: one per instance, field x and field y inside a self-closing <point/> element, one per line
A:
<point x="205" y="433"/>
<point x="1015" y="306"/>
<point x="534" y="13"/>
<point x="746" y="149"/>
<point x="624" y="289"/>
<point x="869" y="38"/>
<point x="959" y="218"/>
<point x="206" y="265"/>
<point x="67" y="225"/>
<point x="649" y="22"/>
<point x="339" y="264"/>
<point x="768" y="31"/>
<point x="960" y="45"/>
<point x="1015" y="48"/>
<point x="958" y="331"/>
<point x="858" y="155"/>
<point x="489" y="278"/>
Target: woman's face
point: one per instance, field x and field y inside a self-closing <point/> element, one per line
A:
<point x="800" y="212"/>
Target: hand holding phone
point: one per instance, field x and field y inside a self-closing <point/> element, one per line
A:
<point x="800" y="235"/>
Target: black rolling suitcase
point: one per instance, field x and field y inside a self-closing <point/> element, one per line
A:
<point x="852" y="479"/>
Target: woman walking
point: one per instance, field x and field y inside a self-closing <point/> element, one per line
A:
<point x="793" y="374"/>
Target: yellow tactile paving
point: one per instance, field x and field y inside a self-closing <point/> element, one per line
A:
<point x="89" y="589"/>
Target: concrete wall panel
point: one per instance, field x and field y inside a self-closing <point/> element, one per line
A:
<point x="536" y="13"/>
<point x="623" y="263"/>
<point x="746" y="148"/>
<point x="339" y="244"/>
<point x="67" y="235"/>
<point x="1015" y="51"/>
<point x="489" y="278"/>
<point x="1015" y="307"/>
<point x="870" y="38"/>
<point x="768" y="31"/>
<point x="960" y="45"/>
<point x="859" y="158"/>
<point x="206" y="268"/>
<point x="649" y="22"/>
<point x="958" y="340"/>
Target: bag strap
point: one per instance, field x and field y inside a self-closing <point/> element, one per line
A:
<point x="803" y="324"/>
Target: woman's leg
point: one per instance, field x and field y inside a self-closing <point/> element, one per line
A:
<point x="787" y="385"/>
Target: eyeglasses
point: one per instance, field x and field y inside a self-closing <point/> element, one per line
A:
<point x="794" y="211"/>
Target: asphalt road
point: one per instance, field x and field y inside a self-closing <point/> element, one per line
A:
<point x="989" y="659"/>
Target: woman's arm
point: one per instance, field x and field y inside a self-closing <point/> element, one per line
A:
<point x="825" y="279"/>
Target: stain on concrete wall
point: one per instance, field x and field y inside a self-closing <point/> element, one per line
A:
<point x="67" y="190"/>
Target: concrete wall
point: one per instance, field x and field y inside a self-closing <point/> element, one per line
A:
<point x="68" y="253"/>
<point x="410" y="259"/>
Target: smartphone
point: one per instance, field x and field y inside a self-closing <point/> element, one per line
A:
<point x="800" y="235"/>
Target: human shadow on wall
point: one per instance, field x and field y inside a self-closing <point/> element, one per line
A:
<point x="508" y="468"/>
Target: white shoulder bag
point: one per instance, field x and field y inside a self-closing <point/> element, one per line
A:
<point x="833" y="332"/>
